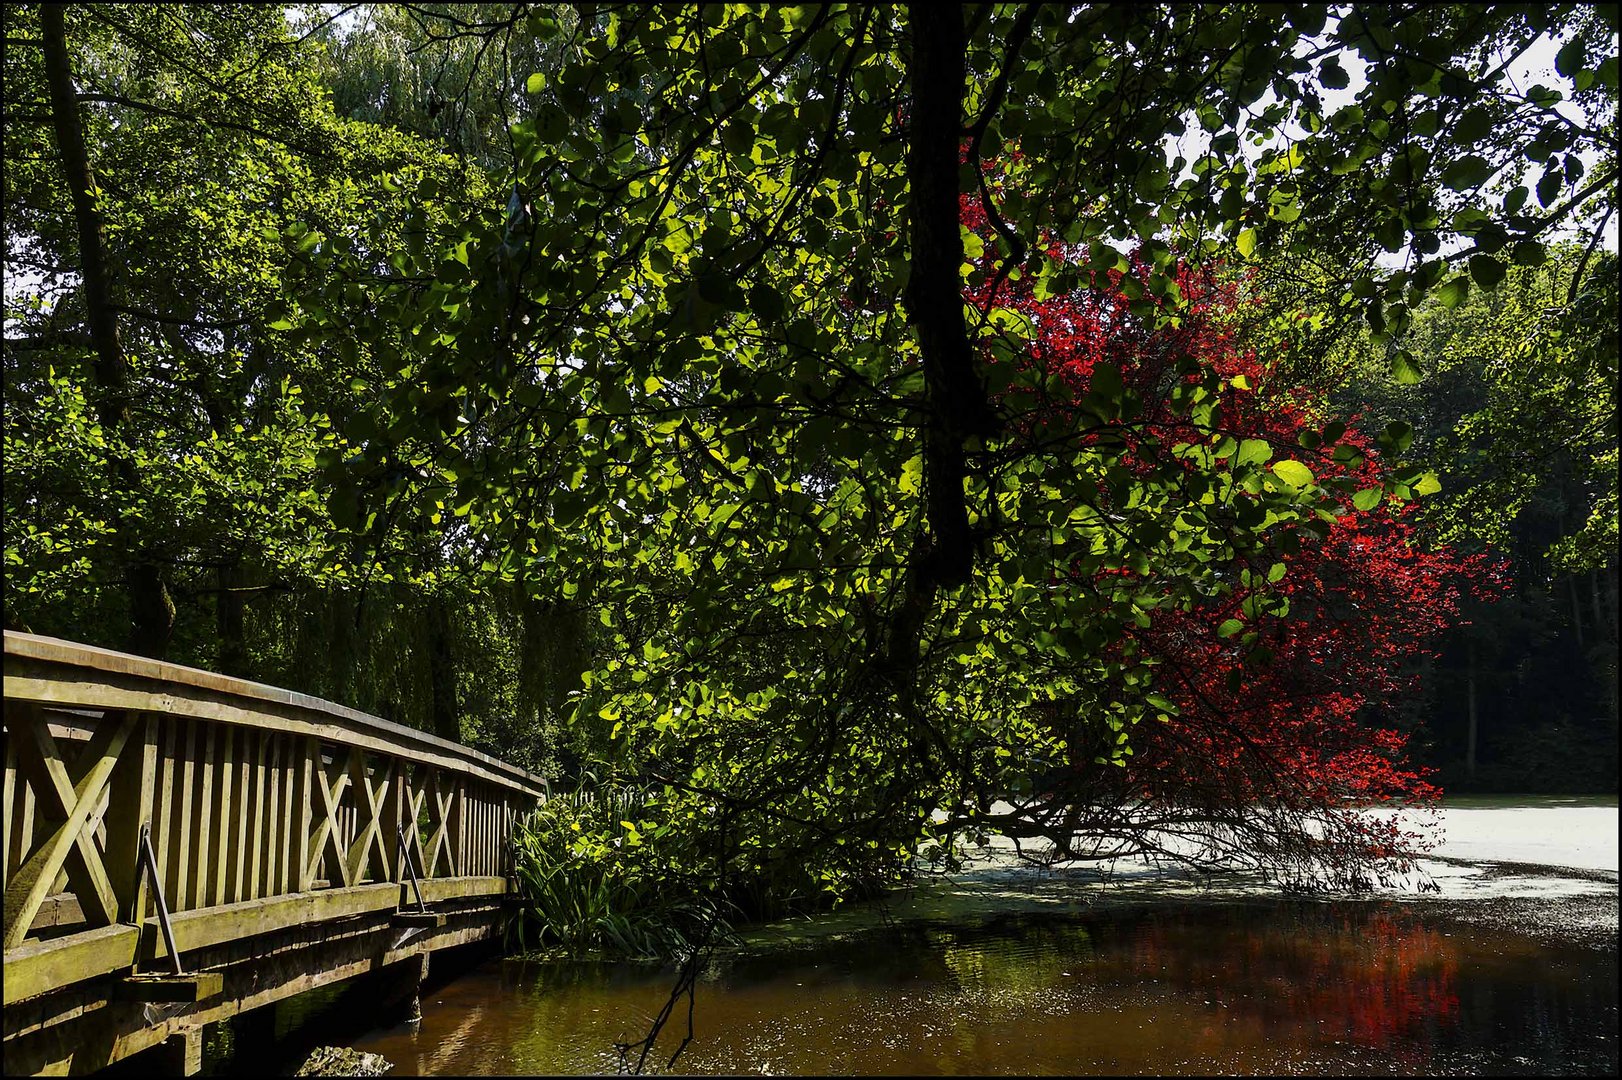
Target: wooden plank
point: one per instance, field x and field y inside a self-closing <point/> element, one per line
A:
<point x="437" y="890"/>
<point x="391" y="817"/>
<point x="265" y="915"/>
<point x="177" y="871"/>
<point x="507" y="815"/>
<point x="304" y="799"/>
<point x="257" y="807"/>
<point x="36" y="967"/>
<point x="163" y="801"/>
<point x="62" y="910"/>
<point x="270" y="827"/>
<point x="131" y="793"/>
<point x="192" y="988"/>
<point x="242" y="793"/>
<point x="203" y="864"/>
<point x="410" y="916"/>
<point x="459" y="829"/>
<point x="6" y="811"/>
<point x="22" y="841"/>
<point x="484" y="836"/>
<point x="220" y="871"/>
<point x="291" y="819"/>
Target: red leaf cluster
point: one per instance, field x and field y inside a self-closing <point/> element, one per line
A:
<point x="1295" y="719"/>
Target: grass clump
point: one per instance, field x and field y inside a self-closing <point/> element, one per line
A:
<point x="584" y="890"/>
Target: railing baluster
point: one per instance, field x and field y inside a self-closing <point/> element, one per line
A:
<point x="287" y="879"/>
<point x="233" y="790"/>
<point x="304" y="796"/>
<point x="242" y="879"/>
<point x="220" y="811"/>
<point x="202" y="863"/>
<point x="163" y="802"/>
<point x="242" y="794"/>
<point x="256" y="825"/>
<point x="180" y="876"/>
<point x="22" y="839"/>
<point x="130" y="795"/>
<point x="460" y="829"/>
<point x="271" y="828"/>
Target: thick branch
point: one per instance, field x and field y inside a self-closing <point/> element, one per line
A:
<point x="957" y="405"/>
<point x="152" y="611"/>
<point x="112" y="374"/>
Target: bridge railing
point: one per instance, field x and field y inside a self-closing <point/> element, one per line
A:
<point x="251" y="793"/>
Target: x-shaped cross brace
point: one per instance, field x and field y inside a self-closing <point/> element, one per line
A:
<point x="73" y="802"/>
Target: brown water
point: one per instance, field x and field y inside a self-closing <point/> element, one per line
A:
<point x="1264" y="987"/>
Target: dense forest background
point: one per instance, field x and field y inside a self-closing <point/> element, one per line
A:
<point x="212" y="127"/>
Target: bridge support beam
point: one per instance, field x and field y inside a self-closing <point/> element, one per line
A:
<point x="182" y="1054"/>
<point x="399" y="990"/>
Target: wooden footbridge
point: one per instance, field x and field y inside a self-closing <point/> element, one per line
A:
<point x="181" y="847"/>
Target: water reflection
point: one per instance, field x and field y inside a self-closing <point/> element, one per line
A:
<point x="1244" y="988"/>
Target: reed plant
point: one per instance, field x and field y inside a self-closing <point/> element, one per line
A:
<point x="582" y="892"/>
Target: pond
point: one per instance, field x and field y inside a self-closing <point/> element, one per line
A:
<point x="1505" y="963"/>
<point x="1254" y="987"/>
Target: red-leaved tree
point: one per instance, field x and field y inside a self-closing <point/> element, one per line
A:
<point x="1276" y="738"/>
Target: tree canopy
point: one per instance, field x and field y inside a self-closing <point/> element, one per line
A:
<point x="757" y="351"/>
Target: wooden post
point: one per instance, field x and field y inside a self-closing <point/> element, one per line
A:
<point x="292" y="819"/>
<point x="163" y="801"/>
<point x="13" y="791"/>
<point x="132" y="786"/>
<point x="182" y="1054"/>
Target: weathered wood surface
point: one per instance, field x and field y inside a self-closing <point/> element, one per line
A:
<point x="268" y="810"/>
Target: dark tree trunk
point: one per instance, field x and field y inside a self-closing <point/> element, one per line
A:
<point x="956" y="405"/>
<point x="442" y="670"/>
<point x="1576" y="613"/>
<point x="1470" y="702"/>
<point x="152" y="611"/>
<point x="229" y="610"/>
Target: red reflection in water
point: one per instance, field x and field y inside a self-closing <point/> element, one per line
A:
<point x="1379" y="980"/>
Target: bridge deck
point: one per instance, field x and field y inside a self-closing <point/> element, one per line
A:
<point x="281" y="827"/>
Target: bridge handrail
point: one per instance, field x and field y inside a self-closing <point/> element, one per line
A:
<point x="329" y="719"/>
<point x="254" y="795"/>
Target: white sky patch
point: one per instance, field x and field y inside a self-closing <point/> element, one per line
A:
<point x="1533" y="67"/>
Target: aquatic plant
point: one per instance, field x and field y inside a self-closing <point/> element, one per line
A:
<point x="581" y="894"/>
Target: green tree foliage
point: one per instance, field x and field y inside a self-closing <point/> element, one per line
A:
<point x="216" y="157"/>
<point x="453" y="74"/>
<point x="706" y="369"/>
<point x="1517" y="409"/>
<point x="210" y="155"/>
<point x="684" y="360"/>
